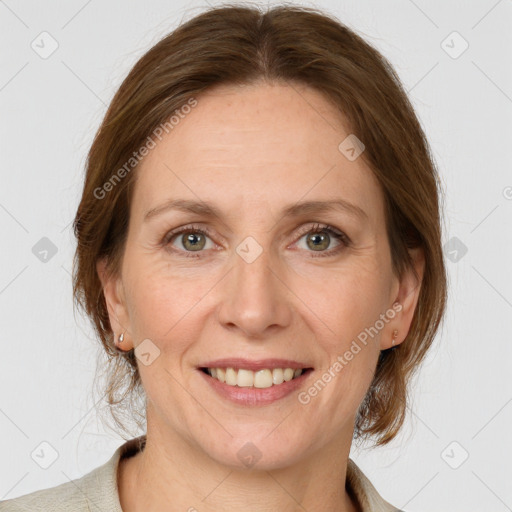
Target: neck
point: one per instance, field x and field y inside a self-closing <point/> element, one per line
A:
<point x="170" y="474"/>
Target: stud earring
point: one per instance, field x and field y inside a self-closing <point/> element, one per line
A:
<point x="121" y="338"/>
<point x="395" y="334"/>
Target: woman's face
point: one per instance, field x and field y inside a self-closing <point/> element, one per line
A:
<point x="261" y="290"/>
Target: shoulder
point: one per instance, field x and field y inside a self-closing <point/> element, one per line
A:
<point x="366" y="494"/>
<point x="63" y="497"/>
<point x="97" y="490"/>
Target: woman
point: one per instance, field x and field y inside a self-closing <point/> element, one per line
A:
<point x="259" y="250"/>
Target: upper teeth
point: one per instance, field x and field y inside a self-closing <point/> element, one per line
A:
<point x="259" y="379"/>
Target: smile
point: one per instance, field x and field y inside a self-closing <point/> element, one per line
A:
<point x="264" y="378"/>
<point x="254" y="382"/>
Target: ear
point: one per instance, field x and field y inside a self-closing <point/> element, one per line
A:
<point x="116" y="305"/>
<point x="407" y="296"/>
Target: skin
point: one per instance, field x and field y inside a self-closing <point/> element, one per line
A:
<point x="252" y="151"/>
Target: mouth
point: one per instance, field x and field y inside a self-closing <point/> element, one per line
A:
<point x="260" y="379"/>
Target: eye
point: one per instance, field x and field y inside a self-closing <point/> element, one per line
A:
<point x="319" y="237"/>
<point x="192" y="239"/>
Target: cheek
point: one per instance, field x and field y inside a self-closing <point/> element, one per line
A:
<point x="160" y="299"/>
<point x="356" y="310"/>
<point x="352" y="302"/>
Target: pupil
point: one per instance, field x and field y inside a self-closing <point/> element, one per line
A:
<point x="318" y="239"/>
<point x="194" y="240"/>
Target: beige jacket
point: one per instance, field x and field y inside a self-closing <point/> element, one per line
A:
<point x="97" y="490"/>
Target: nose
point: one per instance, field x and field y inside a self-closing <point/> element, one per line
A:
<point x="255" y="298"/>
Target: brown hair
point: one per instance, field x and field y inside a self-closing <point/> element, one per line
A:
<point x="234" y="44"/>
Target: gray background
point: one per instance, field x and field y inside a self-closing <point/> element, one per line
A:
<point x="50" y="109"/>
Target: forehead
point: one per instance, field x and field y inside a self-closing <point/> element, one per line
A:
<point x="256" y="146"/>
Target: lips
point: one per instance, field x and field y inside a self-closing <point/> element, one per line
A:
<point x="254" y="382"/>
<point x="250" y="396"/>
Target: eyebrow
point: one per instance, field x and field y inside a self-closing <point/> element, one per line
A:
<point x="294" y="210"/>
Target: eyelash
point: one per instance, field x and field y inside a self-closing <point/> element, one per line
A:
<point x="317" y="228"/>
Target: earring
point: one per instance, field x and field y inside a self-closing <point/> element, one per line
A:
<point x="395" y="334"/>
<point x="119" y="343"/>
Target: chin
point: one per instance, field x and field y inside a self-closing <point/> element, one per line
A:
<point x="257" y="452"/>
